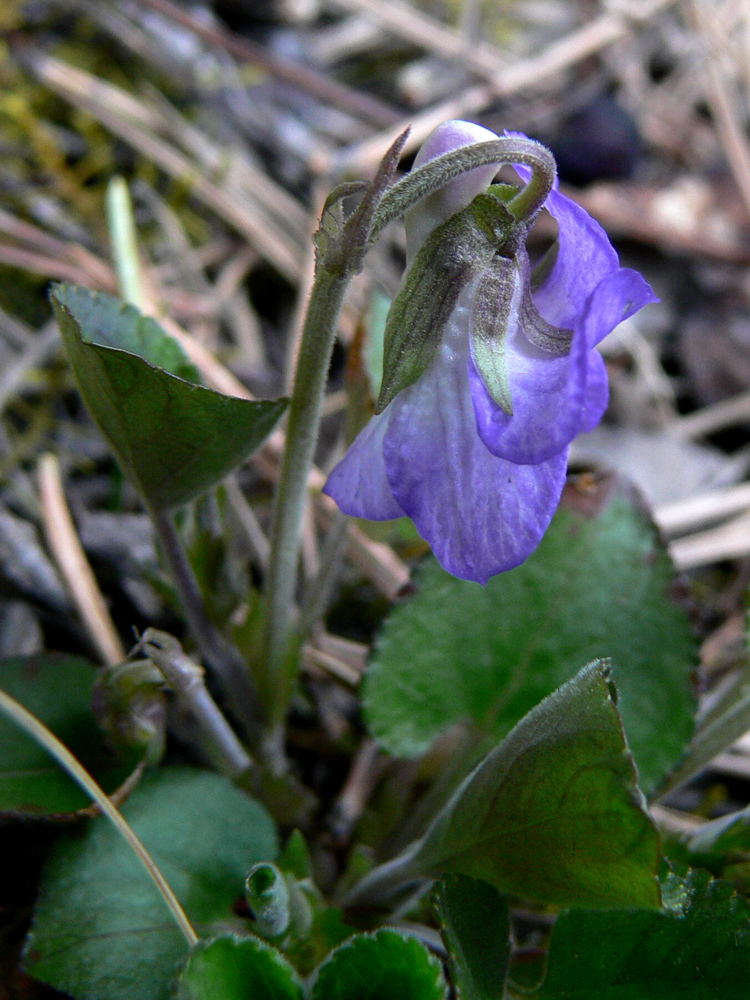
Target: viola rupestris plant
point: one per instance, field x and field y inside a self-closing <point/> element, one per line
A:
<point x="490" y="367"/>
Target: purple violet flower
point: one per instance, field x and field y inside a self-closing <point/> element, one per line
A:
<point x="482" y="484"/>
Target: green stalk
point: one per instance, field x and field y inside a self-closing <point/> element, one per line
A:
<point x="339" y="258"/>
<point x="217" y="652"/>
<point x="436" y="173"/>
<point x="379" y="885"/>
<point x="318" y="336"/>
<point x="39" y="732"/>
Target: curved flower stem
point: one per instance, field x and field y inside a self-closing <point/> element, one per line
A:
<point x="42" y="735"/>
<point x="224" y="658"/>
<point x="339" y="258"/>
<point x="438" y="172"/>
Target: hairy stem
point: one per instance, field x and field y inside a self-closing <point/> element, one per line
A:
<point x="185" y="678"/>
<point x="441" y="170"/>
<point x="318" y="337"/>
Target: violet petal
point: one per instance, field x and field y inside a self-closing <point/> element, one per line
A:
<point x="480" y="514"/>
<point x="359" y="483"/>
<point x="555" y="398"/>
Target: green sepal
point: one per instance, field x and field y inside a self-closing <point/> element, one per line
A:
<point x="505" y="192"/>
<point x="497" y="305"/>
<point x="453" y="255"/>
<point x="503" y="301"/>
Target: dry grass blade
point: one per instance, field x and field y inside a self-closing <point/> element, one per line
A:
<point x="424" y="31"/>
<point x="38" y="246"/>
<point x="75" y="568"/>
<point x="36" y="353"/>
<point x="710" y="419"/>
<point x="723" y="98"/>
<point x="523" y="75"/>
<point x="684" y="515"/>
<point x="301" y="76"/>
<point x="728" y="541"/>
<point x="236" y="209"/>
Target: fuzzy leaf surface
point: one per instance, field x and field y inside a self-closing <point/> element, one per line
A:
<point x="700" y="948"/>
<point x="554" y="812"/>
<point x="599" y="585"/>
<point x="386" y="965"/>
<point x="234" y="968"/>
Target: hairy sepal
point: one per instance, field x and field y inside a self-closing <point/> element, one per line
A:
<point x="497" y="306"/>
<point x="455" y="254"/>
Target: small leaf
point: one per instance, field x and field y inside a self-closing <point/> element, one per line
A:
<point x="451" y="258"/>
<point x="233" y="968"/>
<point x="475" y="926"/>
<point x="722" y="846"/>
<point x="386" y="965"/>
<point x="295" y="858"/>
<point x="101" y="930"/>
<point x="722" y="839"/>
<point x="173" y="437"/>
<point x="56" y="689"/>
<point x="553" y="813"/>
<point x="701" y="949"/>
<point x="599" y="585"/>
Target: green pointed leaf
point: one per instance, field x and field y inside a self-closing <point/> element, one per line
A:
<point x="101" y="930"/>
<point x="452" y="256"/>
<point x="722" y="840"/>
<point x="386" y="965"/>
<point x="700" y="949"/>
<point x="295" y="858"/>
<point x="173" y="437"/>
<point x="553" y="813"/>
<point x="599" y="585"/>
<point x="56" y="689"/>
<point x="233" y="968"/>
<point x="475" y="926"/>
<point x="722" y="846"/>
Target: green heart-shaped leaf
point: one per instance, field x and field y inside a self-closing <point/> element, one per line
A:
<point x="56" y="689"/>
<point x="101" y="929"/>
<point x="475" y="926"/>
<point x="599" y="585"/>
<point x="699" y="949"/>
<point x="553" y="813"/>
<point x="233" y="968"/>
<point x="173" y="437"/>
<point x="386" y="965"/>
